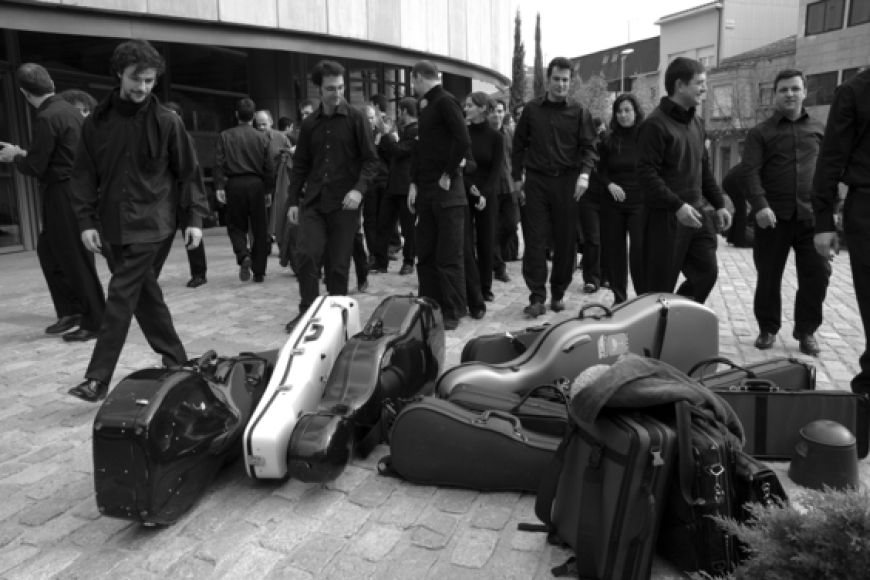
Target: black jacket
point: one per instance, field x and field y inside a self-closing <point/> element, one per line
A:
<point x="617" y="164"/>
<point x="52" y="150"/>
<point x="399" y="154"/>
<point x="443" y="137"/>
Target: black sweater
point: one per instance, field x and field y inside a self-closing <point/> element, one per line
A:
<point x="487" y="148"/>
<point x="617" y="164"/>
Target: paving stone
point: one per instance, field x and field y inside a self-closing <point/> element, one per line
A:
<point x="45" y="564"/>
<point x="254" y="562"/>
<point x="270" y="508"/>
<point x="162" y="560"/>
<point x="345" y="519"/>
<point x="191" y="568"/>
<point x="491" y="518"/>
<point x="351" y="477"/>
<point x="455" y="501"/>
<point x="44" y="511"/>
<point x="372" y="492"/>
<point x="52" y="530"/>
<point x="375" y="542"/>
<point x="401" y="511"/>
<point x="411" y="563"/>
<point x="433" y="530"/>
<point x="286" y="535"/>
<point x="508" y="564"/>
<point x="315" y="554"/>
<point x="317" y="502"/>
<point x="224" y="544"/>
<point x="474" y="548"/>
<point x="98" y="531"/>
<point x="12" y="556"/>
<point x="350" y="567"/>
<point x="285" y="570"/>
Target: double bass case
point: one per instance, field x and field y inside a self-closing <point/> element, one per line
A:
<point x="397" y="356"/>
<point x="161" y="435"/>
<point x="297" y="385"/>
<point x="668" y="327"/>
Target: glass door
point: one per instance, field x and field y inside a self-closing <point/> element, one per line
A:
<point x="10" y="214"/>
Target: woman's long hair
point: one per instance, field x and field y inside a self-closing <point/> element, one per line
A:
<point x="638" y="111"/>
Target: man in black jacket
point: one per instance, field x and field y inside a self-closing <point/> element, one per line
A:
<point x="553" y="156"/>
<point x="679" y="235"/>
<point x="68" y="267"/>
<point x="437" y="193"/>
<point x="845" y="157"/>
<point x="780" y="158"/>
<point x="335" y="161"/>
<point x="132" y="162"/>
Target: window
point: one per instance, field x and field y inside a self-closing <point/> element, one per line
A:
<point x="706" y="61"/>
<point x="820" y="88"/>
<point x="824" y="16"/>
<point x="859" y="12"/>
<point x="765" y="94"/>
<point x="722" y="102"/>
<point x="849" y="74"/>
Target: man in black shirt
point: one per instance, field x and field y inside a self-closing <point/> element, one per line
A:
<point x="133" y="160"/>
<point x="780" y="158"/>
<point x="554" y="146"/>
<point x="679" y="235"/>
<point x="845" y="157"/>
<point x="244" y="179"/>
<point x="437" y="193"/>
<point x="335" y="161"/>
<point x="67" y="266"/>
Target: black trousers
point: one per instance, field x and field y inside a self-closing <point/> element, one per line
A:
<point x="394" y="208"/>
<point x="482" y="228"/>
<point x="856" y="227"/>
<point x="133" y="291"/>
<point x="617" y="222"/>
<point x="770" y="254"/>
<point x="371" y="209"/>
<point x="195" y="257"/>
<point x="737" y="233"/>
<point x="325" y="238"/>
<point x="67" y="265"/>
<point x="590" y="224"/>
<point x="473" y="288"/>
<point x="507" y="245"/>
<point x="246" y="211"/>
<point x="670" y="248"/>
<point x="440" y="238"/>
<point x="550" y="215"/>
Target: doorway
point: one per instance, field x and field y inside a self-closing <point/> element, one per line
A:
<point x="10" y="215"/>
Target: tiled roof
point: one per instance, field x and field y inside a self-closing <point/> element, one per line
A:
<point x="780" y="47"/>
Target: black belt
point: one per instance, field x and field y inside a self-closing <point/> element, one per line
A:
<point x="554" y="172"/>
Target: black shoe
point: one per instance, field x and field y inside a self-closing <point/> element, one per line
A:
<point x="590" y="288"/>
<point x="406" y="269"/>
<point x="288" y="328"/>
<point x="765" y="340"/>
<point x="557" y="305"/>
<point x="64" y="323"/>
<point x="535" y="309"/>
<point x="258" y="278"/>
<point x="502" y="277"/>
<point x="807" y="343"/>
<point x="90" y="390"/>
<point x="451" y="323"/>
<point x="378" y="270"/>
<point x="196" y="282"/>
<point x="488" y="296"/>
<point x="478" y="312"/>
<point x="363" y="287"/>
<point x="245" y="269"/>
<point x="80" y="335"/>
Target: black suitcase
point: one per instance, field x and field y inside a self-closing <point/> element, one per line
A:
<point x="161" y="435"/>
<point x="396" y="357"/>
<point x="772" y="418"/>
<point x="501" y="346"/>
<point x="543" y="409"/>
<point x="603" y="494"/>
<point x="789" y="374"/>
<point x="436" y="442"/>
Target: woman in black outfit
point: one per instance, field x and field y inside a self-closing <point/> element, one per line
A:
<point x="483" y="181"/>
<point x="621" y="198"/>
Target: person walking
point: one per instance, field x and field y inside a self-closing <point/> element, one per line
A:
<point x="554" y="149"/>
<point x="780" y="156"/>
<point x="244" y="179"/>
<point x="845" y="157"/>
<point x="621" y="199"/>
<point x="131" y="158"/>
<point x="335" y="162"/>
<point x="68" y="267"/>
<point x="673" y="165"/>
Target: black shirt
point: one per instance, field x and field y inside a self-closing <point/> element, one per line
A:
<point x="52" y="150"/>
<point x="845" y="154"/>
<point x="243" y="150"/>
<point x="132" y="162"/>
<point x="335" y="154"/>
<point x="553" y="138"/>
<point x="780" y="158"/>
<point x="672" y="162"/>
<point x="618" y="164"/>
<point x="443" y="137"/>
<point x="400" y="154"/>
<point x="487" y="149"/>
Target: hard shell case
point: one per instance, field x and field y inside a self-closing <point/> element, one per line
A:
<point x="789" y="374"/>
<point x="501" y="346"/>
<point x="161" y="435"/>
<point x="669" y="327"/>
<point x="543" y="409"/>
<point x="396" y="357"/>
<point x="297" y="384"/>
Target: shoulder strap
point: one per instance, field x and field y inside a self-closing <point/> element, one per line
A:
<point x="550" y="481"/>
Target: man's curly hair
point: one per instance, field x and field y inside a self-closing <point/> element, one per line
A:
<point x="137" y="52"/>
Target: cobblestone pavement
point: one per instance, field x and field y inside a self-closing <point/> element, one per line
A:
<point x="360" y="526"/>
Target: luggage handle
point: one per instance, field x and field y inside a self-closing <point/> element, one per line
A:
<point x="582" y="314"/>
<point x="207" y="357"/>
<point x="754" y="385"/>
<point x="702" y="365"/>
<point x="531" y="393"/>
<point x="685" y="469"/>
<point x="514" y="421"/>
<point x="316" y="331"/>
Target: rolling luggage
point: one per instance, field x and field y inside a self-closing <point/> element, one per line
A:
<point x="396" y="357"/>
<point x="669" y="327"/>
<point x="436" y="442"/>
<point x="297" y="384"/>
<point x="772" y="417"/>
<point x="161" y="435"/>
<point x="501" y="346"/>
<point x="543" y="409"/>
<point x="789" y="374"/>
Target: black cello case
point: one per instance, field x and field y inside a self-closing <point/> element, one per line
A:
<point x="161" y="435"/>
<point x="396" y="357"/>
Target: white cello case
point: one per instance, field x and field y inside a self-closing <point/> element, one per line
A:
<point x="297" y="383"/>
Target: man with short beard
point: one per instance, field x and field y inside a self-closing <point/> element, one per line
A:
<point x="133" y="160"/>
